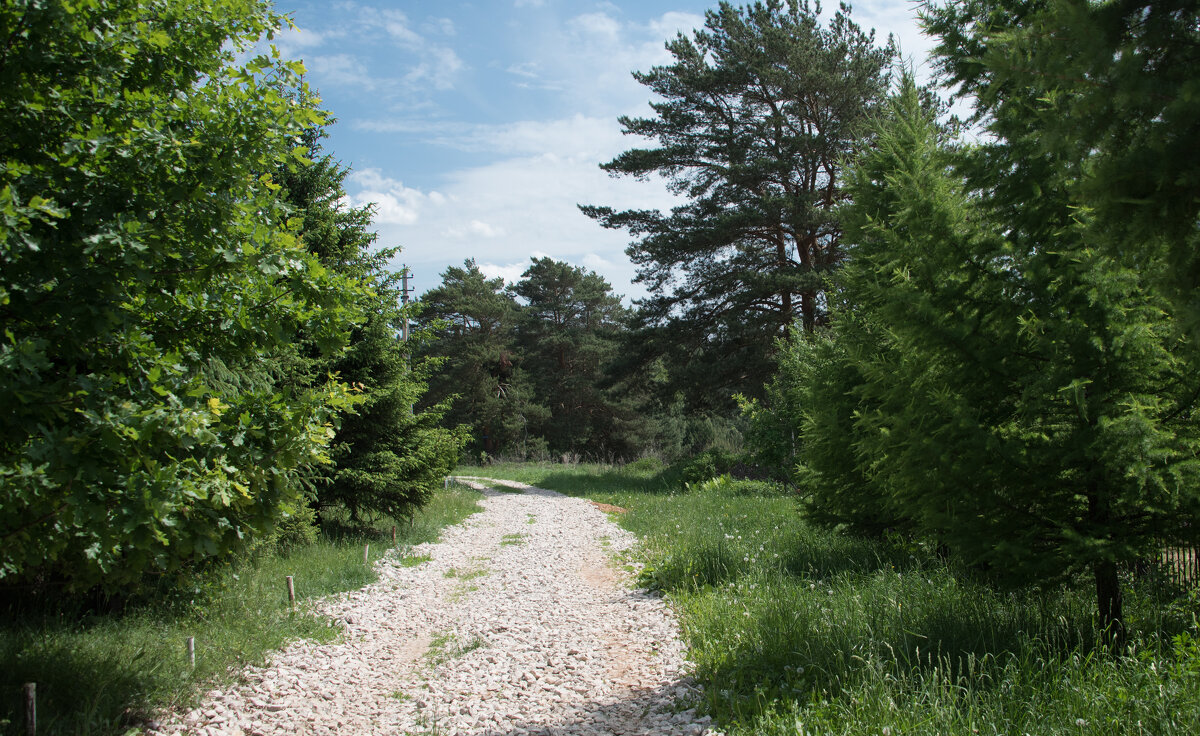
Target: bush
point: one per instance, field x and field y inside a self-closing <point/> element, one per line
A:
<point x="708" y="464"/>
<point x="298" y="529"/>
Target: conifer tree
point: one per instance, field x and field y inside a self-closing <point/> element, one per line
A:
<point x="386" y="459"/>
<point x="471" y="321"/>
<point x="755" y="113"/>
<point x="1112" y="83"/>
<point x="567" y="334"/>
<point x="1024" y="398"/>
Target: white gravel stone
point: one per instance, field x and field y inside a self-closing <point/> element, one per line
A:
<point x="497" y="635"/>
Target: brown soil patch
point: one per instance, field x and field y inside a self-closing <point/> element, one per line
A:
<point x="608" y="508"/>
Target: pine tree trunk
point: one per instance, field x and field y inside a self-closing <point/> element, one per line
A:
<point x="1108" y="600"/>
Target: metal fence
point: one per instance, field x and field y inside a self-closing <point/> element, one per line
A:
<point x="1180" y="566"/>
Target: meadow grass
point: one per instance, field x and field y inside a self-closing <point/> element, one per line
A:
<point x="103" y="673"/>
<point x="797" y="630"/>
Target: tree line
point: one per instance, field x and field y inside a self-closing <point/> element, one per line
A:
<point x="982" y="342"/>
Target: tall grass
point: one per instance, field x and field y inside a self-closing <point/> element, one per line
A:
<point x="796" y="630"/>
<point x="103" y="673"/>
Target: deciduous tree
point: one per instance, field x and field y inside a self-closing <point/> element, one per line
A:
<point x="149" y="276"/>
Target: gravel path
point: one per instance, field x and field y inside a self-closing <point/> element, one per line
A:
<point x="518" y="623"/>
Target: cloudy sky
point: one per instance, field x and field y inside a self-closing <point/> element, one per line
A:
<point x="477" y="127"/>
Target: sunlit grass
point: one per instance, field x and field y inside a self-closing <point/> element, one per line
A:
<point x="795" y="630"/>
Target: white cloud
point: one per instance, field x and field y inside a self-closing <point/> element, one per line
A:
<point x="520" y="206"/>
<point x="596" y="24"/>
<point x="520" y="200"/>
<point x="592" y="56"/>
<point x="395" y="204"/>
<point x="474" y="229"/>
<point x="529" y="3"/>
<point x="340" y="69"/>
<point x="511" y="273"/>
<point x="525" y="69"/>
<point x="292" y="41"/>
<point x="444" y="26"/>
<point x="416" y="61"/>
<point x="573" y="138"/>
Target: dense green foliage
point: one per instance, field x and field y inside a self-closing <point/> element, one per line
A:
<point x="753" y="117"/>
<point x="105" y="673"/>
<point x="567" y="336"/>
<point x="385" y="458"/>
<point x="798" y="630"/>
<point x="1011" y="377"/>
<point x="192" y="318"/>
<point x="149" y="278"/>
<point x="526" y="366"/>
<point x="1109" y="87"/>
<point x="471" y="320"/>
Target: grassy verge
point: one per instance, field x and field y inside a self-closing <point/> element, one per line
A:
<point x="795" y="630"/>
<point x="98" y="674"/>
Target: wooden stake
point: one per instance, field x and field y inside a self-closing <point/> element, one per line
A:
<point x="291" y="590"/>
<point x="393" y="535"/>
<point x="31" y="708"/>
<point x="367" y="555"/>
<point x="191" y="651"/>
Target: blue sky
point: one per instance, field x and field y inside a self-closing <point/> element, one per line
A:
<point x="476" y="127"/>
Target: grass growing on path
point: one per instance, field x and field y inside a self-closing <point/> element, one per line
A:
<point x="795" y="630"/>
<point x="98" y="674"/>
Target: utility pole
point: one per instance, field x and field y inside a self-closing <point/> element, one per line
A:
<point x="404" y="276"/>
<point x="404" y="289"/>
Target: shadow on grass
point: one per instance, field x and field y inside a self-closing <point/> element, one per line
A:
<point x="100" y="672"/>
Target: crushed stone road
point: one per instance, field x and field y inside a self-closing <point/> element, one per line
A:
<point x="518" y="623"/>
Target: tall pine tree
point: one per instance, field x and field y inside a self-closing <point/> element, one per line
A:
<point x="471" y="320"/>
<point x="568" y="334"/>
<point x="755" y="115"/>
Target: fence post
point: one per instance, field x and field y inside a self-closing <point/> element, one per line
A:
<point x="31" y="708"/>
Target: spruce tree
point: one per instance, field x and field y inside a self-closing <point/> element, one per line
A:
<point x="1024" y="399"/>
<point x="386" y="459"/>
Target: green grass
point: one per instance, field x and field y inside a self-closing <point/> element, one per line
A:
<point x="603" y="483"/>
<point x="100" y="673"/>
<point x="445" y="647"/>
<point x="465" y="575"/>
<point x="795" y="630"/>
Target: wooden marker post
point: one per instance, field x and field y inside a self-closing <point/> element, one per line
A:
<point x="291" y="590"/>
<point x="191" y="651"/>
<point x="367" y="554"/>
<point x="31" y="708"/>
<point x="393" y="535"/>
